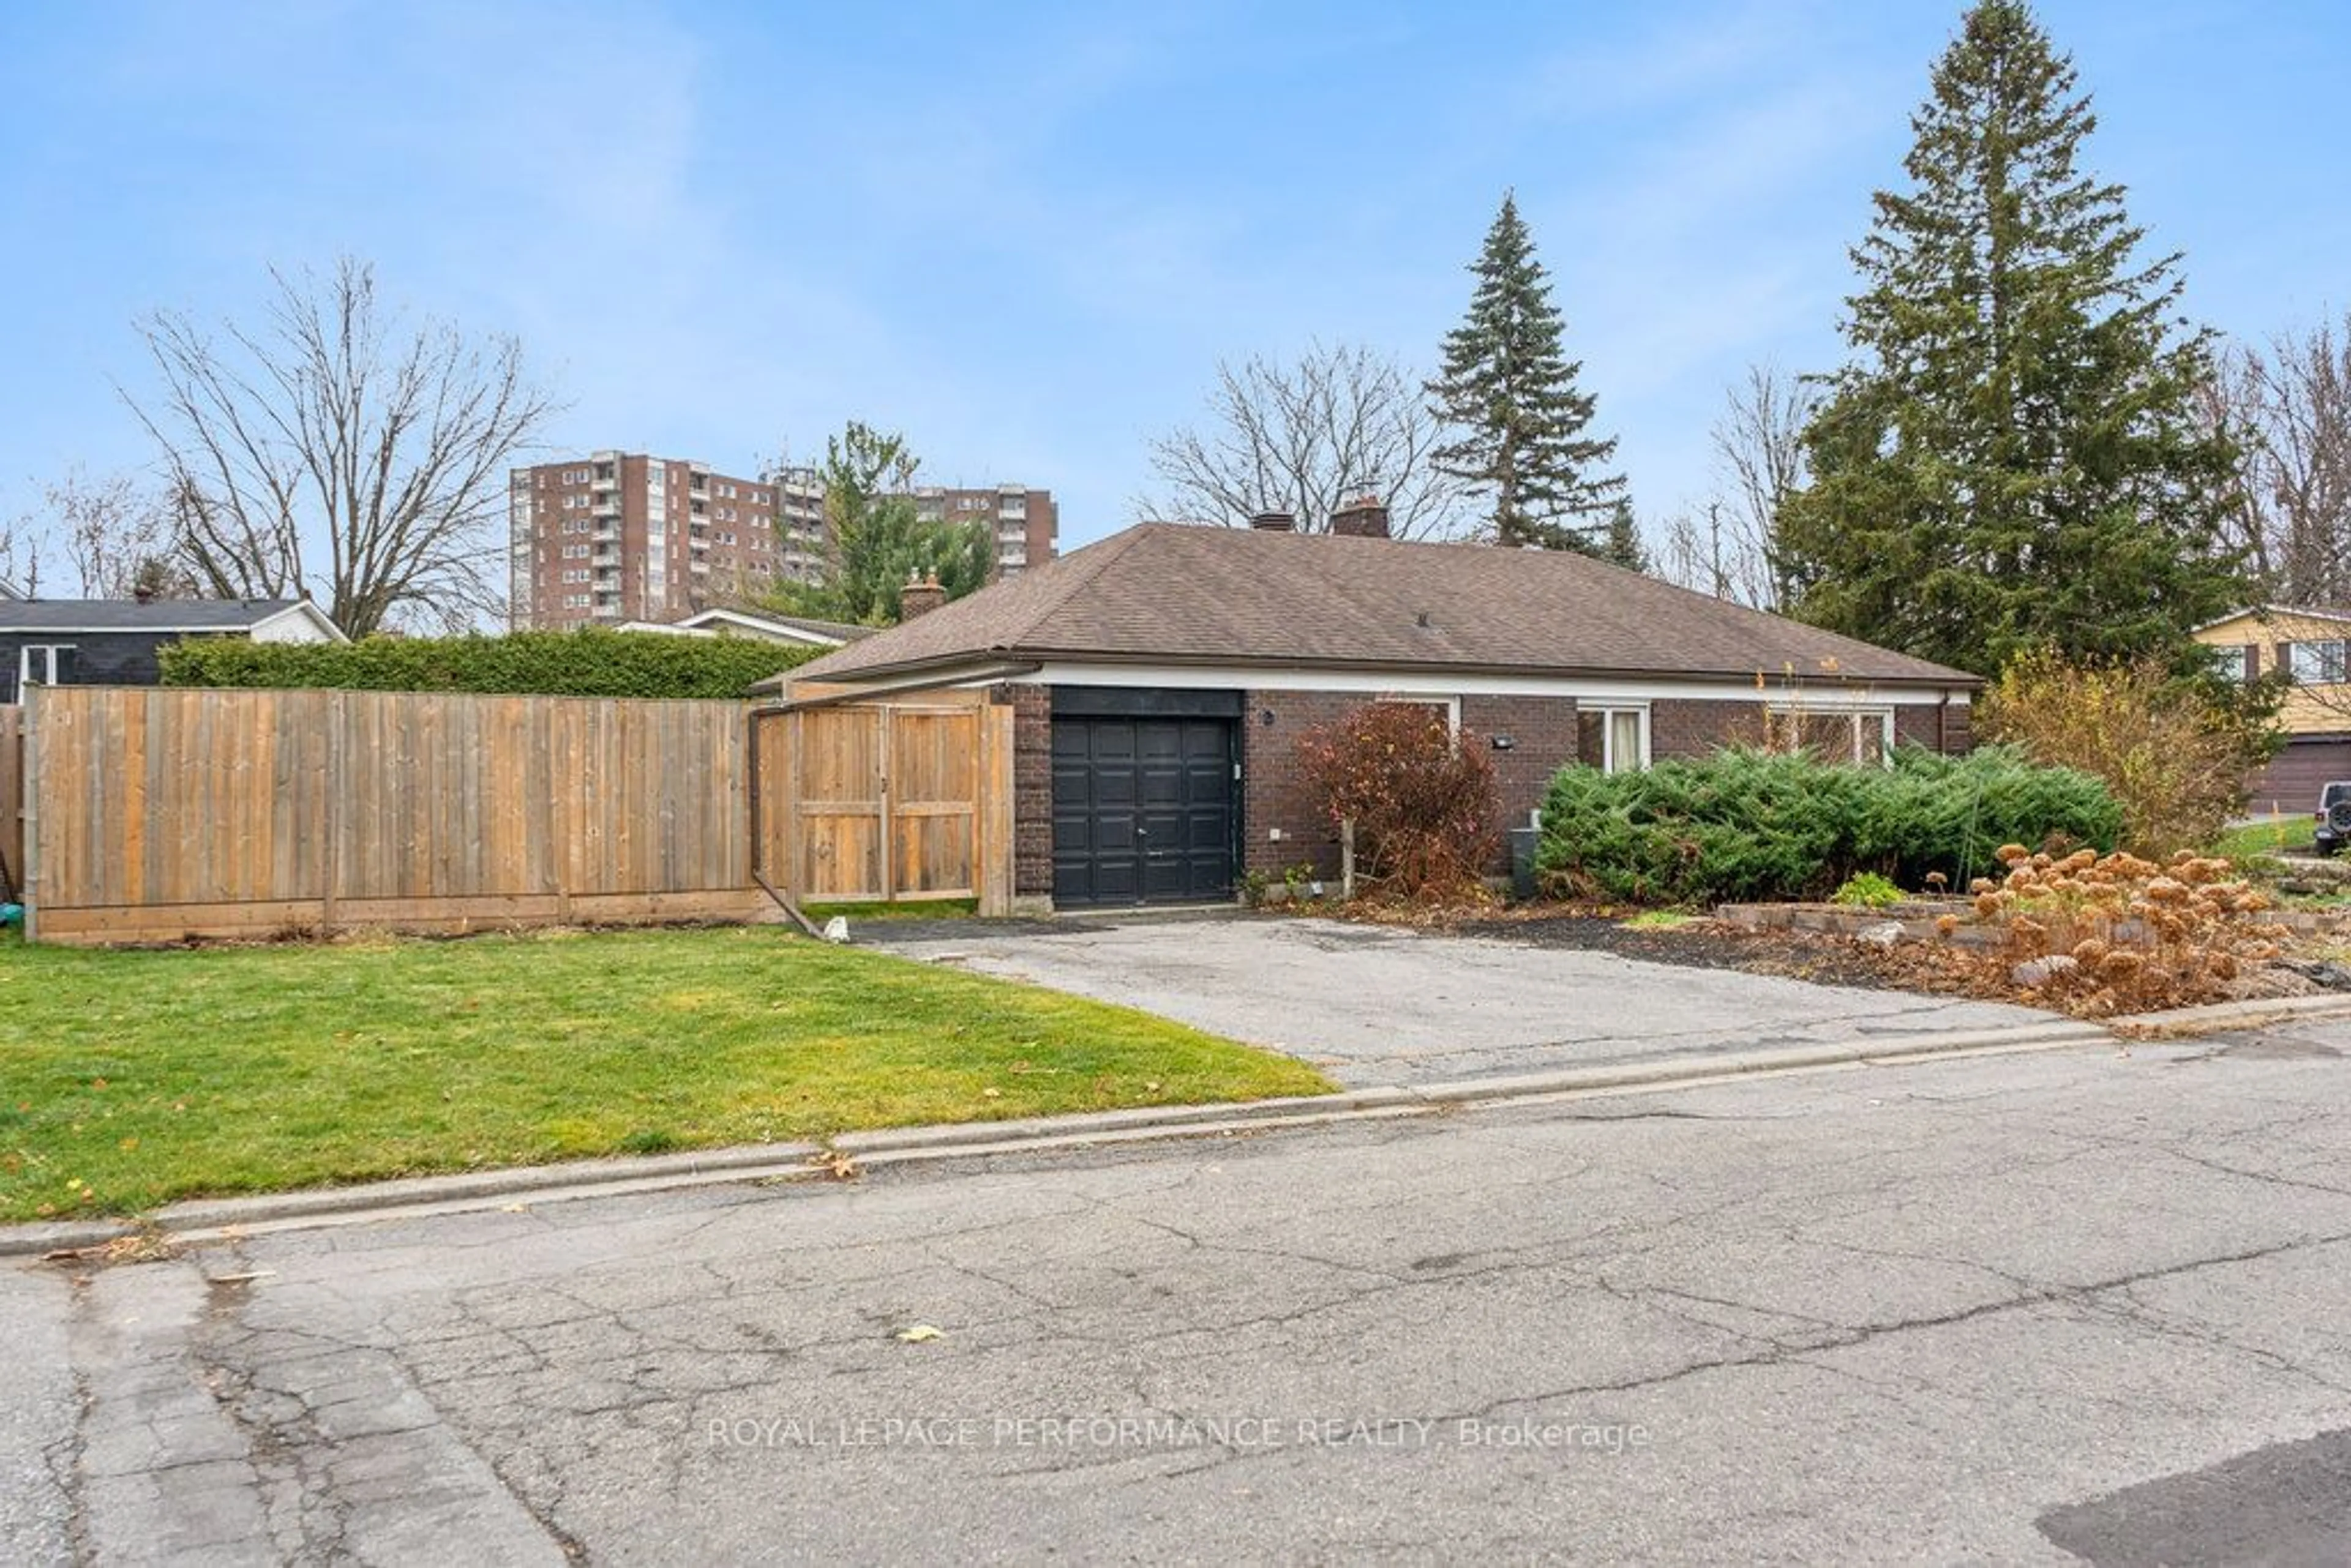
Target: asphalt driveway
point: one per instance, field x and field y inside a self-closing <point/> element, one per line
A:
<point x="1372" y="1005"/>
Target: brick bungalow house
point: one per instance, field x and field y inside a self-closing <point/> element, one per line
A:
<point x="1162" y="677"/>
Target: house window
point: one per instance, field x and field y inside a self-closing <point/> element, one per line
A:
<point x="49" y="663"/>
<point x="1451" y="706"/>
<point x="1612" y="739"/>
<point x="1863" y="737"/>
<point x="2318" y="664"/>
<point x="2230" y="662"/>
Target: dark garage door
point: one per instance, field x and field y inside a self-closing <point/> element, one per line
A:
<point x="2296" y="775"/>
<point x="1145" y="803"/>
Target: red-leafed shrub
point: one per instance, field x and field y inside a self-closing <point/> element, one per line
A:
<point x="1420" y="795"/>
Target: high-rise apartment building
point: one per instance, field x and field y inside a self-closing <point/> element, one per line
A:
<point x="620" y="535"/>
<point x="1025" y="524"/>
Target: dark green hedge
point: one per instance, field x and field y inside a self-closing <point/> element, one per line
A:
<point x="585" y="663"/>
<point x="1744" y="825"/>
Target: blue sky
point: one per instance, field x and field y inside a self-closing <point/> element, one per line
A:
<point x="1025" y="233"/>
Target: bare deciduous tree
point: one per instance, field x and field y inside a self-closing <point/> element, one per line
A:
<point x="21" y="556"/>
<point x="332" y="430"/>
<point x="1730" y="548"/>
<point x="114" y="532"/>
<point x="1342" y="421"/>
<point x="1759" y="451"/>
<point x="2290" y="411"/>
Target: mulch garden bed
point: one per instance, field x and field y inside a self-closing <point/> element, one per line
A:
<point x="1925" y="967"/>
<point x="1717" y="945"/>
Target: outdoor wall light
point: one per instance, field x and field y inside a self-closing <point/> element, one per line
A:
<point x="1503" y="743"/>
<point x="1265" y="716"/>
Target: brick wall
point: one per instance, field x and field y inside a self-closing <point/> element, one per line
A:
<point x="1542" y="731"/>
<point x="1275" y="788"/>
<point x="1032" y="788"/>
<point x="1543" y="741"/>
<point x="1542" y="736"/>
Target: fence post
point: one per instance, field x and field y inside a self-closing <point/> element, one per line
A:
<point x="330" y="819"/>
<point x="1347" y="859"/>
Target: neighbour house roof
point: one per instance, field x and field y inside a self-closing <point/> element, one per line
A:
<point x="162" y="615"/>
<point x="2269" y="611"/>
<point x="1174" y="593"/>
<point x="755" y="624"/>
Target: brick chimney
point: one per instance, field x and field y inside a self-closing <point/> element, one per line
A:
<point x="1273" y="523"/>
<point x="1364" y="517"/>
<point x="920" y="596"/>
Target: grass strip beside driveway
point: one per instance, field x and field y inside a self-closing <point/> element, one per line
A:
<point x="129" y="1079"/>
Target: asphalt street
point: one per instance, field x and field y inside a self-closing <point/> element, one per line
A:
<point x="2075" y="1304"/>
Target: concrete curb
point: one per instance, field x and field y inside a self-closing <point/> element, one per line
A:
<point x="421" y="1196"/>
<point x="473" y="1189"/>
<point x="2184" y="1023"/>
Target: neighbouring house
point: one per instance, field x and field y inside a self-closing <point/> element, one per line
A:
<point x="1161" y="680"/>
<point x="114" y="642"/>
<point x="798" y="629"/>
<point x="2307" y="645"/>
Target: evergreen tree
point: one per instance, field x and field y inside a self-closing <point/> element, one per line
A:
<point x="876" y="539"/>
<point x="2011" y="459"/>
<point x="1623" y="546"/>
<point x="1507" y="393"/>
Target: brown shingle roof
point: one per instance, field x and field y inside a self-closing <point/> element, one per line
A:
<point x="1175" y="593"/>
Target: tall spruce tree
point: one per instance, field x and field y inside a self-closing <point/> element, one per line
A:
<point x="1622" y="544"/>
<point x="1507" y="393"/>
<point x="2011" y="459"/>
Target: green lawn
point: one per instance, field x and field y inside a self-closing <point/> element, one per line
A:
<point x="2249" y="841"/>
<point x="131" y="1079"/>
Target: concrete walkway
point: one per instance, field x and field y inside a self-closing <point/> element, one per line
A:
<point x="1372" y="1005"/>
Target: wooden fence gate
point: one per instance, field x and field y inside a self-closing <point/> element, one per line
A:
<point x="885" y="802"/>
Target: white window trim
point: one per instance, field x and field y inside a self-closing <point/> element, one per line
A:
<point x="2318" y="676"/>
<point x="1452" y="706"/>
<point x="25" y="676"/>
<point x="1885" y="717"/>
<point x="1608" y="732"/>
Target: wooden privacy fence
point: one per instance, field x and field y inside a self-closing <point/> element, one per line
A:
<point x="153" y="815"/>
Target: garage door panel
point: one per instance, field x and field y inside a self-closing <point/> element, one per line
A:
<point x="1161" y="786"/>
<point x="1144" y="809"/>
<point x="2295" y="777"/>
